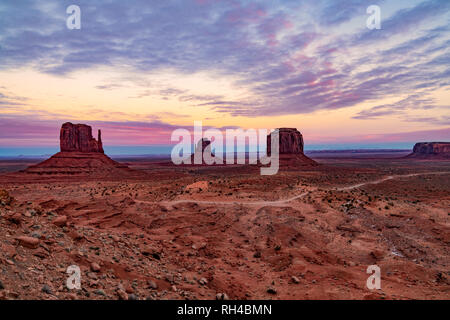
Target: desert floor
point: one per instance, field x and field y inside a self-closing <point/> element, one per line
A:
<point x="196" y="232"/>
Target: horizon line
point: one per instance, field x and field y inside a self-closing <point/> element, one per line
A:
<point x="161" y="150"/>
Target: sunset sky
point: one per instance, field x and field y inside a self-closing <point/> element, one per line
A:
<point x="139" y="69"/>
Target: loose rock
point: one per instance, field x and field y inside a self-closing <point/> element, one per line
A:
<point x="271" y="290"/>
<point x="60" y="221"/>
<point x="47" y="289"/>
<point x="95" y="267"/>
<point x="28" y="242"/>
<point x="222" y="296"/>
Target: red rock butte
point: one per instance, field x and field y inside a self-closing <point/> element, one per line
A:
<point x="291" y="147"/>
<point x="78" y="138"/>
<point x="201" y="146"/>
<point x="81" y="154"/>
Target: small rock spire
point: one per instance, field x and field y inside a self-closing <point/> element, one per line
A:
<point x="99" y="140"/>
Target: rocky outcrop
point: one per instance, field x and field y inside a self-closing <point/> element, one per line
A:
<point x="78" y="138"/>
<point x="291" y="141"/>
<point x="81" y="155"/>
<point x="5" y="198"/>
<point x="290" y="148"/>
<point x="200" y="147"/>
<point x="432" y="150"/>
<point x="203" y="144"/>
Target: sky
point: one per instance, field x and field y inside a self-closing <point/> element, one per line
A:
<point x="139" y="69"/>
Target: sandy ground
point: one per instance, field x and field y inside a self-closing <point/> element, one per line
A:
<point x="196" y="232"/>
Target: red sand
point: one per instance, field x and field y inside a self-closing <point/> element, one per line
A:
<point x="166" y="232"/>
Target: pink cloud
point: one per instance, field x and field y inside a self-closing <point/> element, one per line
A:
<point x="412" y="136"/>
<point x="251" y="13"/>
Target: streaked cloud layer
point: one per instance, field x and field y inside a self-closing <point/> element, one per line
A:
<point x="228" y="62"/>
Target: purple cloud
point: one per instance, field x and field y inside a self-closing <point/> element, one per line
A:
<point x="289" y="55"/>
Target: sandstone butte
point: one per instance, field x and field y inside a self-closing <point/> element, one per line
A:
<point x="81" y="154"/>
<point x="291" y="148"/>
<point x="78" y="138"/>
<point x="201" y="145"/>
<point x="431" y="150"/>
<point x="291" y="141"/>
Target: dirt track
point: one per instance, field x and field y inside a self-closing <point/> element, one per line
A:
<point x="299" y="196"/>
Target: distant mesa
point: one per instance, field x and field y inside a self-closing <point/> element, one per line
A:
<point x="291" y="148"/>
<point x="81" y="154"/>
<point x="431" y="150"/>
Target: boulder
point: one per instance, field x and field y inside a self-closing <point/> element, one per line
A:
<point x="28" y="242"/>
<point x="60" y="221"/>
